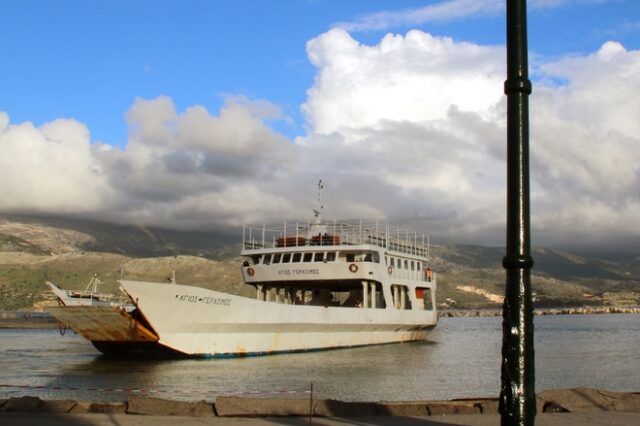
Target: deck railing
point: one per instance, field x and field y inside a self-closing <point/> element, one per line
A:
<point x="289" y="234"/>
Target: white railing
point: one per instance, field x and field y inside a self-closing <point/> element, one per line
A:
<point x="392" y="238"/>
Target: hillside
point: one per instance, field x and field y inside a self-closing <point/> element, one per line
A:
<point x="60" y="235"/>
<point x="68" y="252"/>
<point x="22" y="275"/>
<point x="557" y="279"/>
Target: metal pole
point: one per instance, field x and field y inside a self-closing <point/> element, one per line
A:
<point x="517" y="395"/>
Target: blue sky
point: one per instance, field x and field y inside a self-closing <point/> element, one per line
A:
<point x="204" y="114"/>
<point x="89" y="60"/>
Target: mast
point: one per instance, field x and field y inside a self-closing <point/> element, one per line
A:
<point x="317" y="229"/>
<point x="317" y="212"/>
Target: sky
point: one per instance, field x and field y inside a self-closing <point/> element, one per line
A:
<point x="206" y="115"/>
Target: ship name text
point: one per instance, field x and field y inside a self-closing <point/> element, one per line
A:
<point x="201" y="299"/>
<point x="306" y="271"/>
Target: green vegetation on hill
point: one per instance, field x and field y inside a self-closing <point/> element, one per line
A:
<point x="558" y="279"/>
<point x="22" y="278"/>
<point x="12" y="243"/>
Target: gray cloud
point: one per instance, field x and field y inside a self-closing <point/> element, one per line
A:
<point x="410" y="130"/>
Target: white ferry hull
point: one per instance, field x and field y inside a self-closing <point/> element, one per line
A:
<point x="200" y="322"/>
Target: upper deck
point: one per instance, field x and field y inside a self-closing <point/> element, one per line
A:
<point x="392" y="239"/>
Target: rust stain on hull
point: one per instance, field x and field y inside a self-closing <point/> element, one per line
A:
<point x="103" y="323"/>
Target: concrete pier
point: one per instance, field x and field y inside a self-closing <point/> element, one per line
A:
<point x="581" y="406"/>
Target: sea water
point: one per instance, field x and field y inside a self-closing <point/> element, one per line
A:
<point x="460" y="359"/>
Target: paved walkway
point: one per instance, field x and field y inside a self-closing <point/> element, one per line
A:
<point x="609" y="418"/>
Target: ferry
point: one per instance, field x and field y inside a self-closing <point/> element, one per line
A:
<point x="318" y="285"/>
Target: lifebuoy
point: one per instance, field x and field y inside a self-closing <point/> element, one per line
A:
<point x="390" y="269"/>
<point x="353" y="268"/>
<point x="251" y="271"/>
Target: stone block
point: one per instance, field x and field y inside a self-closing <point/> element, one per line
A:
<point x="588" y="399"/>
<point x="23" y="404"/>
<point x="552" y="407"/>
<point x="165" y="407"/>
<point x="453" y="407"/>
<point x="488" y="406"/>
<point x="57" y="406"/>
<point x="112" y="407"/>
<point x="335" y="408"/>
<point x="235" y="406"/>
<point x="82" y="407"/>
<point x="100" y="407"/>
<point x="621" y="401"/>
<point x="404" y="409"/>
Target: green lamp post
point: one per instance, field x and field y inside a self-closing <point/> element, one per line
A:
<point x="517" y="394"/>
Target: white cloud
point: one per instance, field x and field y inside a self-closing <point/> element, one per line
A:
<point x="50" y="168"/>
<point x="586" y="146"/>
<point x="442" y="11"/>
<point x="415" y="78"/>
<point x="447" y="10"/>
<point x="424" y="117"/>
<point x="410" y="130"/>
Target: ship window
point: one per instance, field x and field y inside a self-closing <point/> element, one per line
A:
<point x="393" y="262"/>
<point x="406" y="264"/>
<point x="276" y="258"/>
<point x="413" y="266"/>
<point x="367" y="257"/>
<point x="386" y="260"/>
<point x="331" y="256"/>
<point x="266" y="259"/>
<point x="296" y="257"/>
<point x="351" y="257"/>
<point x="308" y="257"/>
<point x="319" y="257"/>
<point x="419" y="267"/>
<point x="376" y="257"/>
<point x="255" y="259"/>
<point x="286" y="257"/>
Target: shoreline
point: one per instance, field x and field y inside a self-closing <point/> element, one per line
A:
<point x="27" y="320"/>
<point x="575" y="310"/>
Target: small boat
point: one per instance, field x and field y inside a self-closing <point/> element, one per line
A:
<point x="90" y="296"/>
<point x="318" y="285"/>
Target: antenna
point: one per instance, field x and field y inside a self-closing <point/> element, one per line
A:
<point x="317" y="213"/>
